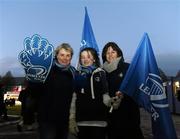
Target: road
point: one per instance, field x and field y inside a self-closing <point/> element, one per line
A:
<point x="9" y="131"/>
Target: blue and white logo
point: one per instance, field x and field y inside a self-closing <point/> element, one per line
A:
<point x="154" y="89"/>
<point x="84" y="44"/>
<point x="36" y="58"/>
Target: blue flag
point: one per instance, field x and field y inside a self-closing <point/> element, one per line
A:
<point x="143" y="83"/>
<point x="36" y="58"/>
<point x="88" y="39"/>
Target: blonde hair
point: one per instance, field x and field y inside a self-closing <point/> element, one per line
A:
<point x="65" y="46"/>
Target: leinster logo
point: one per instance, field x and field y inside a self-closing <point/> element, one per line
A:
<point x="36" y="58"/>
<point x="86" y="44"/>
<point x="83" y="44"/>
<point x="154" y="89"/>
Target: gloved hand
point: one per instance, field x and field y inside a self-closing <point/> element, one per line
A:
<point x="73" y="128"/>
<point x="116" y="101"/>
<point x="107" y="100"/>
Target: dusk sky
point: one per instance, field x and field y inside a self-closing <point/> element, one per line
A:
<point x="121" y="21"/>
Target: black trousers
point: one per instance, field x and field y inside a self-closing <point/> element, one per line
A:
<point x="53" y="130"/>
<point x="91" y="132"/>
<point x="125" y="132"/>
<point x="28" y="110"/>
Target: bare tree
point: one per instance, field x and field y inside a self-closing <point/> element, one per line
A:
<point x="178" y="74"/>
<point x="163" y="75"/>
<point x="8" y="81"/>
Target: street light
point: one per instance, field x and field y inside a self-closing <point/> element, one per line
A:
<point x="177" y="84"/>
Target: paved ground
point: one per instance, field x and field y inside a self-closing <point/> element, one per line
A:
<point x="8" y="128"/>
<point x="146" y="124"/>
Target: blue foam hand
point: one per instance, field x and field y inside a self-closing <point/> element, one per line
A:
<point x="36" y="58"/>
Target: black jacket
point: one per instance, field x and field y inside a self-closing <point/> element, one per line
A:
<point x="56" y="96"/>
<point x="89" y="102"/>
<point x="124" y="121"/>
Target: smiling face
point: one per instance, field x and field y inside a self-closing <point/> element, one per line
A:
<point x="111" y="54"/>
<point x="64" y="57"/>
<point x="86" y="58"/>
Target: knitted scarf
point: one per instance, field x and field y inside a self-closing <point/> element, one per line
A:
<point x="109" y="67"/>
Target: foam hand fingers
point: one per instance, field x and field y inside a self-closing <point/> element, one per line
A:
<point x="36" y="58"/>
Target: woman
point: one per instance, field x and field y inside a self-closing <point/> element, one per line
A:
<point x="91" y="87"/>
<point x="56" y="96"/>
<point x="124" y="116"/>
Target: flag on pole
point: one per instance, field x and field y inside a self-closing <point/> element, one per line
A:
<point x="88" y="39"/>
<point x="143" y="83"/>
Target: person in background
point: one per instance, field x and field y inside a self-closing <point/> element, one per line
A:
<point x="91" y="87"/>
<point x="178" y="95"/>
<point x="29" y="97"/>
<point x="124" y="114"/>
<point x="3" y="109"/>
<point x="56" y="95"/>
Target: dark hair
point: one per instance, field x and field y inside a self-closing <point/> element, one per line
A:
<point x="94" y="54"/>
<point x="115" y="47"/>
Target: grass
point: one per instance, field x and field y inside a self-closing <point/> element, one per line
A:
<point x="14" y="110"/>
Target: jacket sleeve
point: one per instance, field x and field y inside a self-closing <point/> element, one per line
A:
<point x="106" y="97"/>
<point x="104" y="82"/>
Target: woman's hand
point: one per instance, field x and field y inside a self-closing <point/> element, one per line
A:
<point x="119" y="94"/>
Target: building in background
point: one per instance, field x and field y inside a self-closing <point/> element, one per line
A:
<point x="172" y="88"/>
<point x="11" y="96"/>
